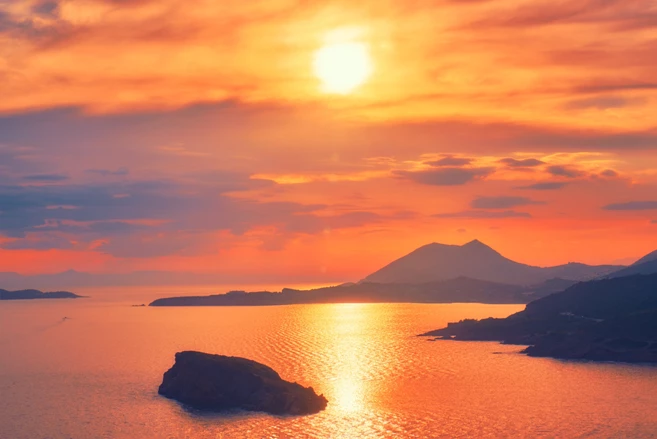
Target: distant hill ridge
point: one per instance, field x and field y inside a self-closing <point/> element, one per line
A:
<point x="461" y="289"/>
<point x="650" y="257"/>
<point x="405" y="281"/>
<point x="435" y="262"/>
<point x="647" y="267"/>
<point x="35" y="294"/>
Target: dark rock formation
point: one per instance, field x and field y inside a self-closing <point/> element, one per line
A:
<point x="217" y="383"/>
<point x="606" y="320"/>
<point x="35" y="294"/>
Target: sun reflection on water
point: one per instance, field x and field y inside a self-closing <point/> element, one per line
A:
<point x="349" y="322"/>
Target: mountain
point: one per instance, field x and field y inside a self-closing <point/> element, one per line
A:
<point x="602" y="320"/>
<point x="645" y="265"/>
<point x="647" y="258"/>
<point x="461" y="290"/>
<point x="476" y="260"/>
<point x="649" y="267"/>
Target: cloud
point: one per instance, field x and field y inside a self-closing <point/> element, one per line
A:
<point x="109" y="172"/>
<point x="619" y="15"/>
<point x="16" y="159"/>
<point x="46" y="8"/>
<point x="39" y="241"/>
<point x="153" y="245"/>
<point x="450" y="161"/>
<point x="503" y="202"/>
<point x="159" y="208"/>
<point x="610" y="173"/>
<point x="35" y="27"/>
<point x="632" y="205"/>
<point x="160" y="217"/>
<point x="484" y="214"/>
<point x="311" y="224"/>
<point x="46" y="177"/>
<point x="525" y="163"/>
<point x="653" y="222"/>
<point x="604" y="103"/>
<point x="606" y="86"/>
<point x="547" y="186"/>
<point x="147" y="44"/>
<point x="591" y="140"/>
<point x="446" y="176"/>
<point x="564" y="171"/>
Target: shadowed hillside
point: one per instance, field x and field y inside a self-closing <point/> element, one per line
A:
<point x="645" y="265"/>
<point x="609" y="320"/>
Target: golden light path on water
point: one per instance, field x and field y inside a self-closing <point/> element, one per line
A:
<point x="350" y="319"/>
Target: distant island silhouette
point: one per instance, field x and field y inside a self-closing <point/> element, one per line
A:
<point x="36" y="294"/>
<point x="435" y="273"/>
<point x="605" y="320"/>
<point x="449" y="291"/>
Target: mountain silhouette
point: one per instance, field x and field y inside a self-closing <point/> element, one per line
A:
<point x="645" y="265"/>
<point x="476" y="260"/>
<point x="647" y="258"/>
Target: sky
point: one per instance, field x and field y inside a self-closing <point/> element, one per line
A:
<point x="201" y="138"/>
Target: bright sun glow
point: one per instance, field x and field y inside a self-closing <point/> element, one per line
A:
<point x="342" y="66"/>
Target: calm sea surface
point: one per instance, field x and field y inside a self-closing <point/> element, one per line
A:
<point x="96" y="374"/>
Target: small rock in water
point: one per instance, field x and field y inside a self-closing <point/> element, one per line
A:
<point x="216" y="382"/>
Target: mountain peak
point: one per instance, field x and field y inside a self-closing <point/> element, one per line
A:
<point x="479" y="247"/>
<point x="476" y="260"/>
<point x="647" y="258"/>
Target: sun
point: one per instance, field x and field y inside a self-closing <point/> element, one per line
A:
<point x="342" y="66"/>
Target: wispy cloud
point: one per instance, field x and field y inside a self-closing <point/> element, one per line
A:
<point x="604" y="102"/>
<point x="446" y="176"/>
<point x="46" y="177"/>
<point x="564" y="171"/>
<point x="524" y="163"/>
<point x="609" y="173"/>
<point x="546" y="186"/>
<point x="632" y="205"/>
<point x="450" y="161"/>
<point x="502" y="202"/>
<point x="109" y="172"/>
<point x="484" y="214"/>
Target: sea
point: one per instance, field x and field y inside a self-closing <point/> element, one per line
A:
<point x="90" y="369"/>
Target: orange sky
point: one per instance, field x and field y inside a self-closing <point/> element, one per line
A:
<point x="155" y="135"/>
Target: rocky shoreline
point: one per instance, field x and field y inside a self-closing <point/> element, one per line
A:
<point x="606" y="320"/>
